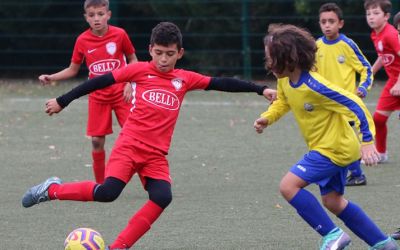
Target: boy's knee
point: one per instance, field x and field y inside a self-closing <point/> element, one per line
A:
<point x="105" y="194"/>
<point x="161" y="197"/>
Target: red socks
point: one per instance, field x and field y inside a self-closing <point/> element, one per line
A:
<point x="381" y="132"/>
<point x="99" y="159"/>
<point x="73" y="191"/>
<point x="138" y="225"/>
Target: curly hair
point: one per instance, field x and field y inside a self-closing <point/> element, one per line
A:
<point x="165" y="34"/>
<point x="289" y="47"/>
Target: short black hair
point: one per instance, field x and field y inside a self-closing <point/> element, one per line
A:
<point x="332" y="7"/>
<point x="165" y="34"/>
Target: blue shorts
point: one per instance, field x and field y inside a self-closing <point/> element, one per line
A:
<point x="319" y="169"/>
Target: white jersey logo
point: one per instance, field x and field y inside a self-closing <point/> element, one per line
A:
<point x="104" y="66"/>
<point x="177" y="83"/>
<point x="111" y="48"/>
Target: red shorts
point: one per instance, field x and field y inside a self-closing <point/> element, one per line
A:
<point x="130" y="156"/>
<point x="386" y="101"/>
<point x="100" y="116"/>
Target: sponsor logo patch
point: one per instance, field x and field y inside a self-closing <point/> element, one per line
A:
<point x="161" y="98"/>
<point x="104" y="66"/>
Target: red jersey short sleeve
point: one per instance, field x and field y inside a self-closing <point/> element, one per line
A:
<point x="387" y="46"/>
<point x="102" y="55"/>
<point x="157" y="100"/>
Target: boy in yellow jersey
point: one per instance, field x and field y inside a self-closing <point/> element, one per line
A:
<point x="338" y="60"/>
<point x="322" y="111"/>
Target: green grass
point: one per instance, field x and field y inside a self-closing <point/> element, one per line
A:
<point x="226" y="176"/>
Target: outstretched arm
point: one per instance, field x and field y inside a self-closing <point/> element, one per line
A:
<point x="235" y="85"/>
<point x="56" y="105"/>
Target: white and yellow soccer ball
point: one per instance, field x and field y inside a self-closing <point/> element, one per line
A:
<point x="84" y="239"/>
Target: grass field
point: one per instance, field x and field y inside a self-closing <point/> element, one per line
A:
<point x="226" y="176"/>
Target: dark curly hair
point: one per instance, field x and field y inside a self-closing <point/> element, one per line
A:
<point x="332" y="7"/>
<point x="288" y="47"/>
<point x="165" y="34"/>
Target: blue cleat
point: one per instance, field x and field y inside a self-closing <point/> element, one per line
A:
<point x="39" y="193"/>
<point x="336" y="239"/>
<point x="388" y="244"/>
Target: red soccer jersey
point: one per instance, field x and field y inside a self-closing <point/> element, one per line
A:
<point x="157" y="100"/>
<point x="387" y="46"/>
<point x="102" y="55"/>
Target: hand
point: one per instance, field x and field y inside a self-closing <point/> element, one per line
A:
<point x="52" y="107"/>
<point x="369" y="154"/>
<point x="395" y="90"/>
<point x="260" y="124"/>
<point x="45" y="79"/>
<point x="361" y="92"/>
<point x="270" y="94"/>
<point x="128" y="92"/>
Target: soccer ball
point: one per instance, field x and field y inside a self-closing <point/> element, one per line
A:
<point x="84" y="239"/>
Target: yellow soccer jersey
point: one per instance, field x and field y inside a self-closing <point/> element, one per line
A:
<point x="322" y="111"/>
<point x="339" y="60"/>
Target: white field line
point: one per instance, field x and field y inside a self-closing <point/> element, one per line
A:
<point x="185" y="102"/>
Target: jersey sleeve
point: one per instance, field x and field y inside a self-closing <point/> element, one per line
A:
<point x="77" y="54"/>
<point x="393" y="42"/>
<point x="197" y="81"/>
<point x="126" y="74"/>
<point x="279" y="107"/>
<point x="127" y="45"/>
<point x="341" y="101"/>
<point x="361" y="65"/>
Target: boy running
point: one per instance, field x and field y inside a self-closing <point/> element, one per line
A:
<point x="322" y="111"/>
<point x="387" y="46"/>
<point x="145" y="139"/>
<point x="338" y="60"/>
<point x="104" y="48"/>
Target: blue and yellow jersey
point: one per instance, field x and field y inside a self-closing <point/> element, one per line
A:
<point x="339" y="60"/>
<point x="322" y="111"/>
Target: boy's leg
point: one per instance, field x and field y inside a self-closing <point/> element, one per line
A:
<point x="160" y="196"/>
<point x="380" y="121"/>
<point x="361" y="225"/>
<point x="98" y="126"/>
<point x="356" y="176"/>
<point x="53" y="189"/>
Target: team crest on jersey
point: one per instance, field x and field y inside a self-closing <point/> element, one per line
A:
<point x="111" y="48"/>
<point x="341" y="59"/>
<point x="308" y="107"/>
<point x="380" y="46"/>
<point x="177" y="83"/>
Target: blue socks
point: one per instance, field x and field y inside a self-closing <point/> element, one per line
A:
<point x="359" y="222"/>
<point x="312" y="212"/>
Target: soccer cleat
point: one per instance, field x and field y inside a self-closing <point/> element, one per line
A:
<point x="388" y="244"/>
<point x="383" y="158"/>
<point x="396" y="235"/>
<point x="336" y="239"/>
<point x="39" y="193"/>
<point x="356" y="180"/>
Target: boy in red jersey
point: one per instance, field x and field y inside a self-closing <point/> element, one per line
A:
<point x="387" y="46"/>
<point x="104" y="48"/>
<point x="145" y="139"/>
